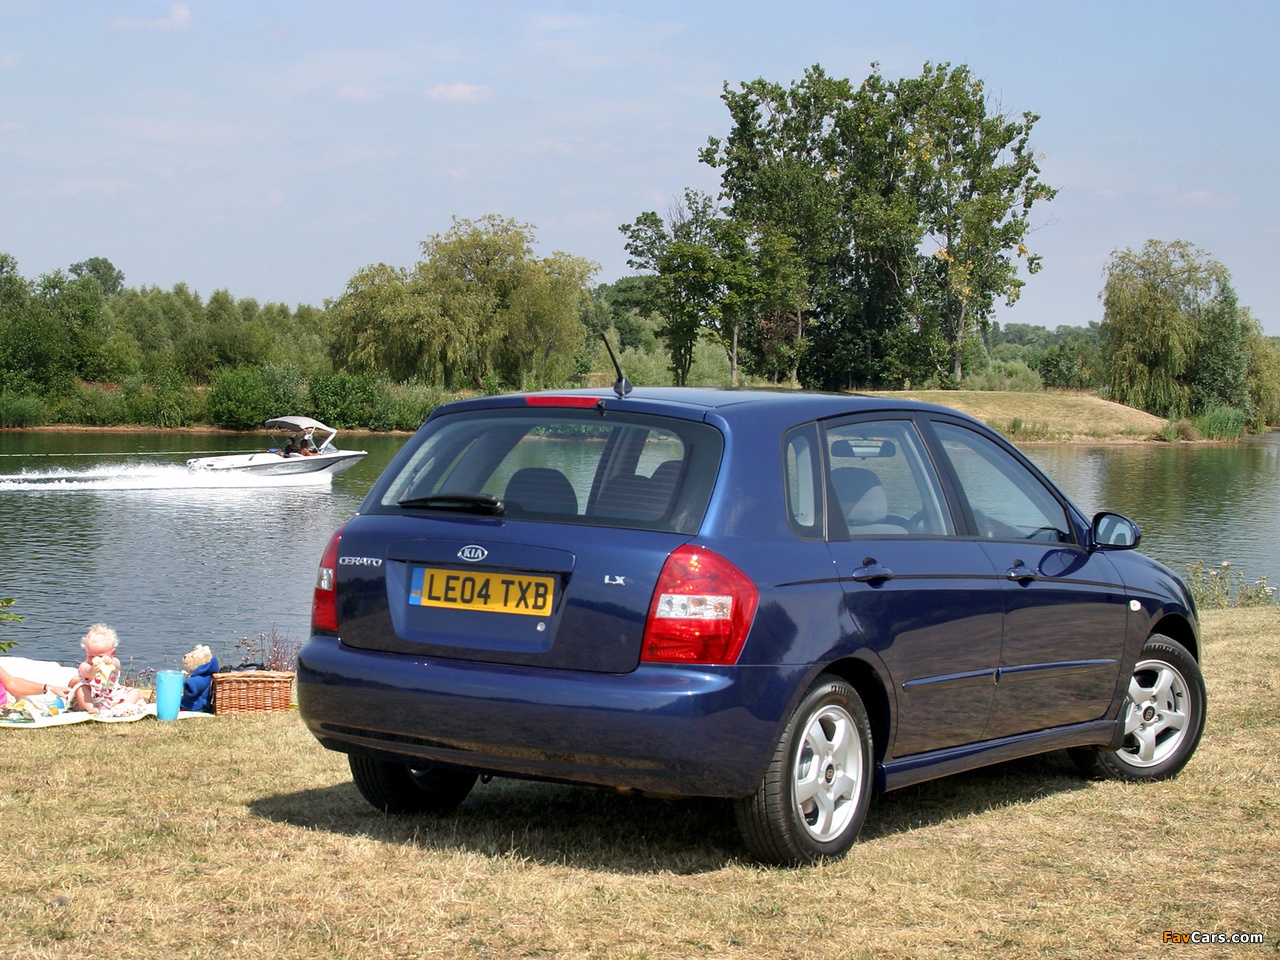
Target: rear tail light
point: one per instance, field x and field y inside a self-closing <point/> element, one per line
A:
<point x="701" y="611"/>
<point x="324" y="602"/>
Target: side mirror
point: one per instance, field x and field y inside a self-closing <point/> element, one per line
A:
<point x="1114" y="531"/>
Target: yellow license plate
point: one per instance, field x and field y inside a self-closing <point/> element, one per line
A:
<point x="493" y="592"/>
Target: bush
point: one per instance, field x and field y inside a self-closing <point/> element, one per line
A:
<point x="20" y="410"/>
<point x="238" y="399"/>
<point x="1216" y="588"/>
<point x="411" y="404"/>
<point x="1177" y="430"/>
<point x="1018" y="429"/>
<point x="710" y="366"/>
<point x="1005" y="375"/>
<point x="93" y="405"/>
<point x="285" y="389"/>
<point x="8" y="616"/>
<point x="349" y="401"/>
<point x="1220" y="422"/>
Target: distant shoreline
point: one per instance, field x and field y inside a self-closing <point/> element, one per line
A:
<point x="1024" y="417"/>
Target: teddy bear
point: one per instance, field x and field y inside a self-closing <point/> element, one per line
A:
<point x="197" y="688"/>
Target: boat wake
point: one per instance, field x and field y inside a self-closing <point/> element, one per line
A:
<point x="124" y="476"/>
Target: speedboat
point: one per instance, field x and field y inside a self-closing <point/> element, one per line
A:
<point x="308" y="450"/>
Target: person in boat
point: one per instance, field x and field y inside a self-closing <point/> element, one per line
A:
<point x="290" y="448"/>
<point x="307" y="447"/>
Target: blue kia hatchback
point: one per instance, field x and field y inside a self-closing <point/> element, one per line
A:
<point x="787" y="600"/>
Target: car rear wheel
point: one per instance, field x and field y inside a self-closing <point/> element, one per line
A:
<point x="399" y="788"/>
<point x="1163" y="717"/>
<point x="816" y="792"/>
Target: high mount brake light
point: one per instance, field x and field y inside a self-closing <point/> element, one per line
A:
<point x="701" y="612"/>
<point x="324" y="602"/>
<point x="543" y="400"/>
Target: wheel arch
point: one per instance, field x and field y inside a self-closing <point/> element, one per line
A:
<point x="1179" y="628"/>
<point x="870" y="686"/>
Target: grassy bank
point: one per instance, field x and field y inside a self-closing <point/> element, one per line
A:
<point x="1047" y="415"/>
<point x="240" y="837"/>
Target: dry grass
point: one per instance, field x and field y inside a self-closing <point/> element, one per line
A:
<point x="1047" y="415"/>
<point x="240" y="837"/>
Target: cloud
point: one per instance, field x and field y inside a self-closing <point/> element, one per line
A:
<point x="1170" y="195"/>
<point x="179" y="19"/>
<point x="458" y="93"/>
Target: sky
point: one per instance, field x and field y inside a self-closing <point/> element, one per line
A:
<point x="274" y="149"/>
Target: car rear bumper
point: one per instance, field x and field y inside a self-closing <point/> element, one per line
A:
<point x="661" y="729"/>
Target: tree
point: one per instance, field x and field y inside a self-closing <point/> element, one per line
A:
<point x="977" y="181"/>
<point x="103" y="270"/>
<point x="388" y="321"/>
<point x="478" y="309"/>
<point x="907" y="203"/>
<point x="1264" y="375"/>
<point x="808" y="163"/>
<point x="775" y="332"/>
<point x="544" y="329"/>
<point x="688" y="289"/>
<point x="1175" y="340"/>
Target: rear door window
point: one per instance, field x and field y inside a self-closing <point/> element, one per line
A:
<point x="566" y="466"/>
<point x="882" y="483"/>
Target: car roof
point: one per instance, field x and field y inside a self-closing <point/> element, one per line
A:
<point x="731" y="403"/>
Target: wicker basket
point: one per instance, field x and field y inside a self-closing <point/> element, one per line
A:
<point x="252" y="691"/>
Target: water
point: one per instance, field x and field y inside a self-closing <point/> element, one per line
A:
<point x="110" y="526"/>
<point x="1194" y="502"/>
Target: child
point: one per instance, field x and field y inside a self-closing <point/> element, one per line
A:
<point x="99" y="690"/>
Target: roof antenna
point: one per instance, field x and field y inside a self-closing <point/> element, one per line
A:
<point x="621" y="386"/>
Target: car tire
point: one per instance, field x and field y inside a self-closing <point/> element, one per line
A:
<point x="1163" y="716"/>
<point x="816" y="791"/>
<point x="399" y="788"/>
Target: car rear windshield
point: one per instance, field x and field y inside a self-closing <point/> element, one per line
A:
<point x="562" y="466"/>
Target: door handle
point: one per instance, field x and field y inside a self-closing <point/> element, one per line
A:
<point x="871" y="572"/>
<point x="1021" y="573"/>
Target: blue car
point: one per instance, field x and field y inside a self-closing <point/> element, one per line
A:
<point x="791" y="601"/>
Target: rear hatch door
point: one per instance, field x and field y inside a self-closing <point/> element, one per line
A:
<point x="526" y="535"/>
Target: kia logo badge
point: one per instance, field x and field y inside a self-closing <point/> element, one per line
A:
<point x="472" y="552"/>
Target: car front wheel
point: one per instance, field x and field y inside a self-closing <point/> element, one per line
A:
<point x="399" y="788"/>
<point x="817" y="789"/>
<point x="1163" y="716"/>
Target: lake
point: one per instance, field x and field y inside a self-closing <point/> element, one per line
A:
<point x="110" y="526"/>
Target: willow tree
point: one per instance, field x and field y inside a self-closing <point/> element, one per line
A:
<point x="478" y="308"/>
<point x="1174" y="338"/>
<point x="387" y="322"/>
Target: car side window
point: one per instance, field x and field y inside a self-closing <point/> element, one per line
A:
<point x="802" y="466"/>
<point x="883" y="482"/>
<point x="1008" y="501"/>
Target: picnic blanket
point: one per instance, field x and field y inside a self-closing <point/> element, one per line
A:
<point x="21" y="718"/>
